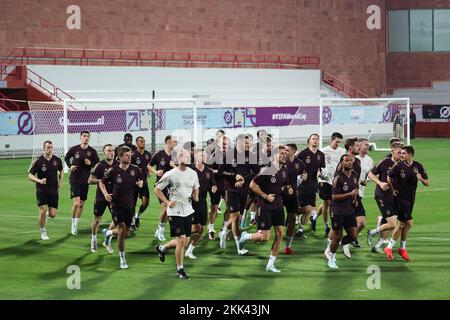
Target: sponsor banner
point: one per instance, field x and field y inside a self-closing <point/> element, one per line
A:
<point x="16" y="123"/>
<point x="436" y="111"/>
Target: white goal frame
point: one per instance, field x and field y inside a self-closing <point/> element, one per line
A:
<point x="406" y="101"/>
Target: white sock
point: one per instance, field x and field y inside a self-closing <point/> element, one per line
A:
<point x="109" y="233"/>
<point x="161" y="225"/>
<point x="191" y="248"/>
<point x="289" y="241"/>
<point x="179" y="267"/>
<point x="301" y="227"/>
<point x="403" y="245"/>
<point x="76" y="220"/>
<point x="73" y="220"/>
<point x="236" y="239"/>
<point x="374" y="231"/>
<point x="252" y="215"/>
<point x="332" y="256"/>
<point x="43" y="230"/>
<point x="329" y="241"/>
<point x="314" y="214"/>
<point x="136" y="215"/>
<point x="246" y="236"/>
<point x="94" y="237"/>
<point x="391" y="243"/>
<point x="163" y="248"/>
<point x="271" y="261"/>
<point x="244" y="214"/>
<point x="122" y="255"/>
<point x="225" y="224"/>
<point x="211" y="227"/>
<point x="379" y="243"/>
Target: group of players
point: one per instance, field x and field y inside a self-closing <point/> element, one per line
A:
<point x="257" y="178"/>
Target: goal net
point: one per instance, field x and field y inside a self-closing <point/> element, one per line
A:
<point x="108" y="121"/>
<point x="377" y="119"/>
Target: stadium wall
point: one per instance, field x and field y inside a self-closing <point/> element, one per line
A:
<point x="335" y="30"/>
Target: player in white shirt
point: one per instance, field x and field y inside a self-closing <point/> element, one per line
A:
<point x="333" y="153"/>
<point x="366" y="166"/>
<point x="183" y="188"/>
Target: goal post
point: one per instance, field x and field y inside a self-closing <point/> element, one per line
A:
<point x="377" y="119"/>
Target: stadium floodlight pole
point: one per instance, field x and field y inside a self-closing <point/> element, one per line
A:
<point x="65" y="131"/>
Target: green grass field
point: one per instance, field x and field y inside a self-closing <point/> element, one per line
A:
<point x="33" y="269"/>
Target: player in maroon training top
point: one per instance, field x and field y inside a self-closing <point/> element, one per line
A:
<point x="47" y="172"/>
<point x="314" y="160"/>
<point x="163" y="160"/>
<point x="124" y="178"/>
<point x="141" y="158"/>
<point x="403" y="180"/>
<point x="100" y="203"/>
<point x="343" y="203"/>
<point x="80" y="159"/>
<point x="207" y="183"/>
<point x="269" y="185"/>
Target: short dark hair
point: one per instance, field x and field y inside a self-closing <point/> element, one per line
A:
<point x="85" y="132"/>
<point x="293" y="146"/>
<point x="350" y="142"/>
<point x="209" y="141"/>
<point x="259" y="131"/>
<point x="167" y="138"/>
<point x="123" y="150"/>
<point x="409" y="149"/>
<point x="343" y="156"/>
<point x="249" y="136"/>
<point x="393" y="140"/>
<point x="336" y="135"/>
<point x="128" y="135"/>
<point x="396" y="145"/>
<point x="107" y="145"/>
<point x="47" y="141"/>
<point x="221" y="131"/>
<point x="140" y="137"/>
<point x="362" y="139"/>
<point x="313" y="134"/>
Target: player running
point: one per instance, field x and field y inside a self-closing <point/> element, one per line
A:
<point x="239" y="169"/>
<point x="269" y="185"/>
<point x="47" y="172"/>
<point x="383" y="195"/>
<point x="295" y="167"/>
<point x="333" y="153"/>
<point x="141" y="158"/>
<point x="183" y="184"/>
<point x="100" y="203"/>
<point x="343" y="202"/>
<point x="163" y="162"/>
<point x="314" y="160"/>
<point x="206" y="183"/>
<point x="80" y="159"/>
<point x="403" y="180"/>
<point x="124" y="178"/>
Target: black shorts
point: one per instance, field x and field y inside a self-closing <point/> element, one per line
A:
<point x="387" y="207"/>
<point x="360" y="211"/>
<point x="404" y="210"/>
<point x="236" y="201"/>
<point x="142" y="192"/>
<point x="340" y="221"/>
<point x="200" y="213"/>
<point x="79" y="190"/>
<point x="290" y="202"/>
<point x="100" y="207"/>
<point x="215" y="197"/>
<point x="325" y="191"/>
<point x="180" y="226"/>
<point x="124" y="215"/>
<point x="265" y="218"/>
<point x="45" y="199"/>
<point x="307" y="196"/>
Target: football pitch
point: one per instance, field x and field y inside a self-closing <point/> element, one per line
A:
<point x="35" y="269"/>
